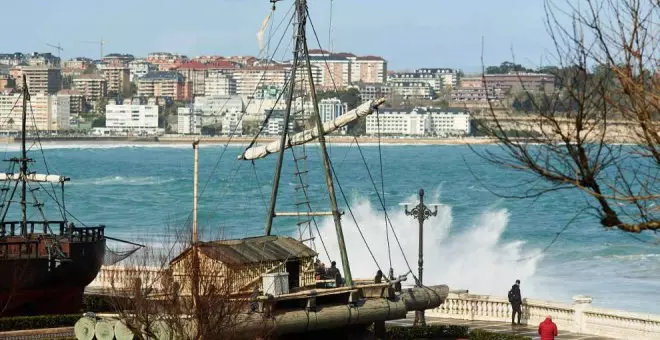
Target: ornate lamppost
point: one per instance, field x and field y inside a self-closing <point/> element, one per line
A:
<point x="421" y="212"/>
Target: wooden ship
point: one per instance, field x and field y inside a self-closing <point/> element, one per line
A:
<point x="279" y="270"/>
<point x="45" y="263"/>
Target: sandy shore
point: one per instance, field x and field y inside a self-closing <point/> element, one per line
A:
<point x="340" y="140"/>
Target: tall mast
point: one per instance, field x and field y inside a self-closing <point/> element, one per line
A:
<point x="24" y="159"/>
<point x="324" y="153"/>
<point x="300" y="34"/>
<point x="301" y="46"/>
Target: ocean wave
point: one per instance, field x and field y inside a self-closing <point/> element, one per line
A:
<point x="121" y="180"/>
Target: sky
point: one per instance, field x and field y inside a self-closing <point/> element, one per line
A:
<point x="407" y="33"/>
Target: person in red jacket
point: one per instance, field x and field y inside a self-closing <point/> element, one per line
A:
<point x="548" y="329"/>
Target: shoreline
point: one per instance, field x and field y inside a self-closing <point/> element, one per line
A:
<point x="261" y="140"/>
<point x="243" y="140"/>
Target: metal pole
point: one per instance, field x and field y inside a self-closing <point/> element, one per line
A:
<point x="195" y="194"/>
<point x="24" y="160"/>
<point x="287" y="114"/>
<point x="421" y="212"/>
<point x="420" y="218"/>
<point x="326" y="160"/>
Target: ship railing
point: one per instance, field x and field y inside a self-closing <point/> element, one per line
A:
<point x="23" y="249"/>
<point x="61" y="228"/>
<point x="87" y="234"/>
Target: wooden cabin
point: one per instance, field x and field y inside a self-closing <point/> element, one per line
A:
<point x="240" y="263"/>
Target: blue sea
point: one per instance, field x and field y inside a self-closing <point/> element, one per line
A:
<point x="477" y="241"/>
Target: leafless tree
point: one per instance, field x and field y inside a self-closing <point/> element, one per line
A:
<point x="174" y="292"/>
<point x="607" y="93"/>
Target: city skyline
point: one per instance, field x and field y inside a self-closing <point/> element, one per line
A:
<point x="432" y="33"/>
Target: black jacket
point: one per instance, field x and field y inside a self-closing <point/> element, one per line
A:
<point x="514" y="295"/>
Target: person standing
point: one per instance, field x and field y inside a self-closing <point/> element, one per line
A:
<point x="516" y="302"/>
<point x="548" y="329"/>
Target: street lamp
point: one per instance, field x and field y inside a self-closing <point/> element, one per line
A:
<point x="421" y="212"/>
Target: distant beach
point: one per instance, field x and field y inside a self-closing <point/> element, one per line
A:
<point x="260" y="140"/>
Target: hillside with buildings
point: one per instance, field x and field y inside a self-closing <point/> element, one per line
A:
<point x="168" y="93"/>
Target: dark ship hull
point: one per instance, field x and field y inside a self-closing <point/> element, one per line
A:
<point x="36" y="280"/>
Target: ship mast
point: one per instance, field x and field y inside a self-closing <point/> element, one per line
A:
<point x="301" y="47"/>
<point x="24" y="160"/>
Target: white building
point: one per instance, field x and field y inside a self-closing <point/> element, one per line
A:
<point x="449" y="122"/>
<point x="232" y="123"/>
<point x="397" y="122"/>
<point x="219" y="84"/>
<point x="132" y="118"/>
<point x="189" y="121"/>
<point x="420" y="121"/>
<point x="412" y="89"/>
<point x="138" y="68"/>
<point x="215" y="108"/>
<point x="276" y="122"/>
<point x="47" y="112"/>
<point x="330" y="109"/>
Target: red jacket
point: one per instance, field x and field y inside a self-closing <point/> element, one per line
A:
<point x="547" y="330"/>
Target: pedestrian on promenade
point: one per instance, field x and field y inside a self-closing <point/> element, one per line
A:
<point x="516" y="302"/>
<point x="548" y="329"/>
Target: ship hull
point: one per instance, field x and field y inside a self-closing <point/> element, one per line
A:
<point x="34" y="286"/>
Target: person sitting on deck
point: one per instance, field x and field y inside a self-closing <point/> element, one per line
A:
<point x="379" y="276"/>
<point x="333" y="273"/>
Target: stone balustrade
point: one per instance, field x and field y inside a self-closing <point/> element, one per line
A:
<point x="118" y="278"/>
<point x="579" y="317"/>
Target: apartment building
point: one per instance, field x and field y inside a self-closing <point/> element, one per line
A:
<point x="371" y="91"/>
<point x="412" y="89"/>
<point x="330" y="109"/>
<point x="118" y="77"/>
<point x="251" y="78"/>
<point x="139" y="68"/>
<point x="76" y="102"/>
<point x="219" y="84"/>
<point x="40" y="79"/>
<point x="118" y="59"/>
<point x="392" y="121"/>
<point x="437" y="78"/>
<point x="518" y="82"/>
<point x="420" y="121"/>
<point x="132" y="118"/>
<point x="91" y="86"/>
<point x="47" y="113"/>
<point x="335" y="71"/>
<point x="162" y="84"/>
<point x="368" y="69"/>
<point x="214" y="109"/>
<point x="446" y="122"/>
<point x="75" y="67"/>
<point x="477" y="94"/>
<point x="275" y="124"/>
<point x="166" y="61"/>
<point x="189" y="121"/>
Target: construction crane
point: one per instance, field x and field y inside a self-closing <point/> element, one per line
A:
<point x="100" y="42"/>
<point x="57" y="47"/>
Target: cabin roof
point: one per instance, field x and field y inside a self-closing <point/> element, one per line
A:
<point x="253" y="250"/>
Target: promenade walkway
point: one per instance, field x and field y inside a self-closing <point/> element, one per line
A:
<point x="499" y="327"/>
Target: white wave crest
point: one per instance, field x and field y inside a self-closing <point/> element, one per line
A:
<point x="476" y="258"/>
<point x="121" y="180"/>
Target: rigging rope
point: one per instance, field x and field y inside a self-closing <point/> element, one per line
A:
<point x="382" y="186"/>
<point x="387" y="217"/>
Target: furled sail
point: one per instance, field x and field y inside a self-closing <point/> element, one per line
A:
<point x="308" y="135"/>
<point x="34" y="178"/>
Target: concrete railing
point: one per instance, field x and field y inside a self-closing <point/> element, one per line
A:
<point x="579" y="317"/>
<point x="118" y="278"/>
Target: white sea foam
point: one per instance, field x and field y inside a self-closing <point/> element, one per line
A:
<point x="121" y="180"/>
<point x="475" y="258"/>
